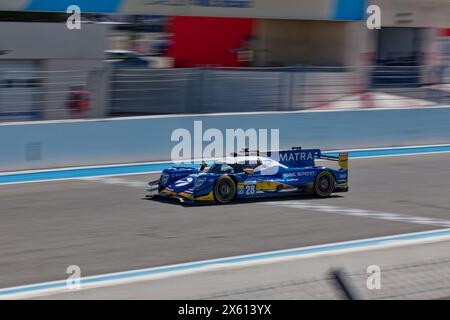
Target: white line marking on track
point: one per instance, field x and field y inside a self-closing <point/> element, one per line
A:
<point x="399" y="217"/>
<point x="118" y="182"/>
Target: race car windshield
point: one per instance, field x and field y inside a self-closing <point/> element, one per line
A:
<point x="225" y="168"/>
<point x="230" y="167"/>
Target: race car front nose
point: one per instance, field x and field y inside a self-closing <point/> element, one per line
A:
<point x="153" y="187"/>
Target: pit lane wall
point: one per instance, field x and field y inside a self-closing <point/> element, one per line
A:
<point x="53" y="144"/>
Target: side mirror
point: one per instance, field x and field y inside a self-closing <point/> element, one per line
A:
<point x="249" y="171"/>
<point x="203" y="165"/>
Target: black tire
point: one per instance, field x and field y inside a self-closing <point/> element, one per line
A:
<point x="224" y="190"/>
<point x="324" y="184"/>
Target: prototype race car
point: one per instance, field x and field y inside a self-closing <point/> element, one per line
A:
<point x="253" y="176"/>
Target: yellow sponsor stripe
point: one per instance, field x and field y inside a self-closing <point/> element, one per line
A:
<point x="185" y="195"/>
<point x="208" y="197"/>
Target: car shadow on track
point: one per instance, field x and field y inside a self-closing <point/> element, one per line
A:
<point x="173" y="201"/>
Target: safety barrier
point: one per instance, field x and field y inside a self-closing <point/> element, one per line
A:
<point x="53" y="144"/>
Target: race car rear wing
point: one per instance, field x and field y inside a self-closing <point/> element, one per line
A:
<point x="342" y="159"/>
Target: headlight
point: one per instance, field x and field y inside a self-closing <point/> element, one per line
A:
<point x="200" y="180"/>
<point x="164" y="178"/>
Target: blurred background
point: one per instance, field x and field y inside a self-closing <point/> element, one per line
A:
<point x="135" y="57"/>
<point x="157" y="57"/>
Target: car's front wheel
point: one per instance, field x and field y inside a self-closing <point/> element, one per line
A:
<point x="224" y="190"/>
<point x="324" y="184"/>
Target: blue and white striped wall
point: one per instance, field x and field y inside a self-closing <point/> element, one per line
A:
<point x="291" y="9"/>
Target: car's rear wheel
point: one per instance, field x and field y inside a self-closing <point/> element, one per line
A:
<point x="324" y="184"/>
<point x="224" y="190"/>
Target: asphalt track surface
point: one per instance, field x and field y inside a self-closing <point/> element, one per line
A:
<point x="106" y="225"/>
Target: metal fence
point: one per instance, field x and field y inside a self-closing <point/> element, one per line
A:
<point x="37" y="95"/>
<point x="140" y="91"/>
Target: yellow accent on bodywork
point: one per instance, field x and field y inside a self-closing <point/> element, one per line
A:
<point x="343" y="160"/>
<point x="208" y="197"/>
<point x="186" y="195"/>
<point x="167" y="192"/>
<point x="270" y="185"/>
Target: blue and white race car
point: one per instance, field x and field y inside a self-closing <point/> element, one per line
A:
<point x="252" y="176"/>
